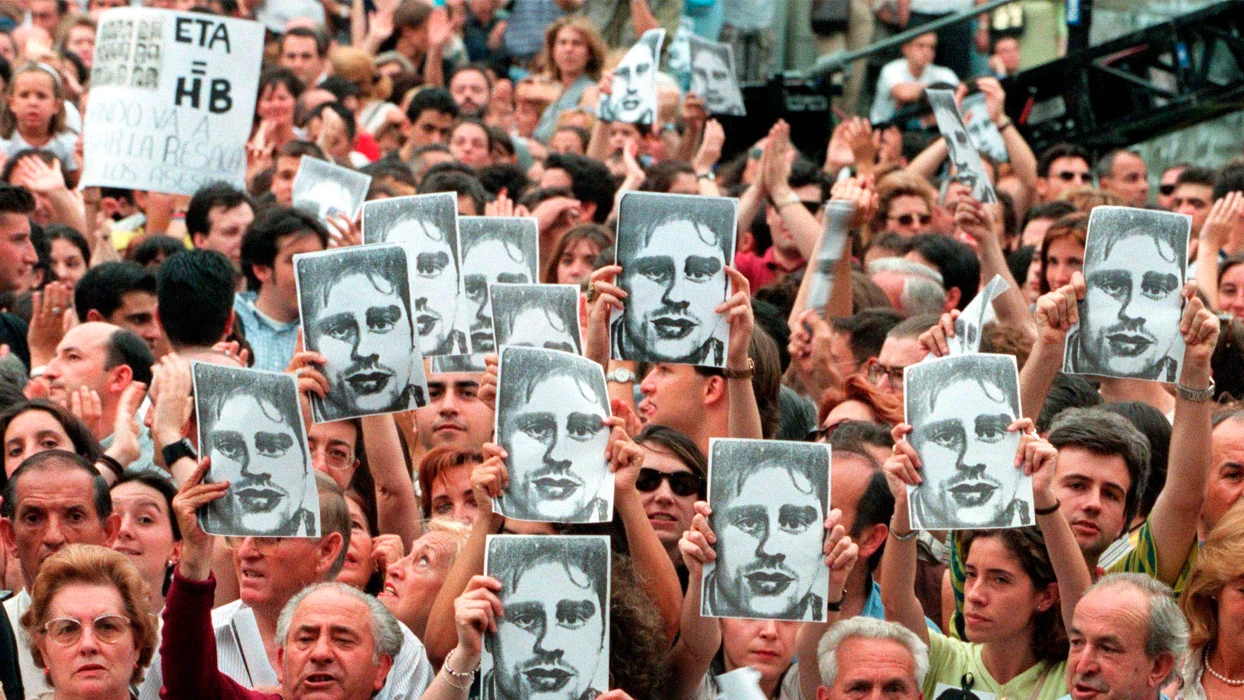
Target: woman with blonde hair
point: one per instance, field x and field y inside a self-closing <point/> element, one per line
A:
<point x="359" y="67"/>
<point x="574" y="55"/>
<point x="90" y="624"/>
<point x="1213" y="602"/>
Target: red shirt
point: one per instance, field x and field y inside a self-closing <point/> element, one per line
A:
<point x="763" y="270"/>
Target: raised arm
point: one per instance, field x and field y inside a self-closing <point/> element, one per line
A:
<point x="800" y="223"/>
<point x="699" y="637"/>
<point x="1056" y="313"/>
<point x="396" y="507"/>
<point x="1173" y="519"/>
<point x="898" y="564"/>
<point x="1225" y="215"/>
<point x="1018" y="152"/>
<point x="977" y="220"/>
<point x="929" y="161"/>
<point x="475" y="612"/>
<point x="743" y="419"/>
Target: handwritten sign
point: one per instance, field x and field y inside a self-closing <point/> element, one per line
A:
<point x="172" y="99"/>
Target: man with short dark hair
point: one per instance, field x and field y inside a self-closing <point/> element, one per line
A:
<point x="55" y="498"/>
<point x="1060" y="168"/>
<point x="194" y="299"/>
<point x="455" y="416"/>
<point x="269" y="310"/>
<point x="859" y="338"/>
<point x="288" y="159"/>
<point x="900" y="350"/>
<point x="122" y="293"/>
<point x="305" y="52"/>
<point x="1194" y="195"/>
<point x="17" y="259"/>
<point x="430" y="115"/>
<point x="471" y="89"/>
<point x="217" y="217"/>
<point x="589" y="180"/>
<point x="1122" y="173"/>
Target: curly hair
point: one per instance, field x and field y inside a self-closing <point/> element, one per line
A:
<point x="93" y="565"/>
<point x="597" y="51"/>
<point x="637" y="641"/>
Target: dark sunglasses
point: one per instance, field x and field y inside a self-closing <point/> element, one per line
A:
<point x="813" y="207"/>
<point x="1067" y="176"/>
<point x="681" y="483"/>
<point x="909" y="219"/>
<point x="1167" y="189"/>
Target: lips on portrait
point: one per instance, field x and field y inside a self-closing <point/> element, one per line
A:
<point x="258" y="505"/>
<point x="371" y="384"/>
<point x="556" y="486"/>
<point x="547" y="675"/>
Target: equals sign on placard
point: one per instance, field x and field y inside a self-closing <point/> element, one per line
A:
<point x="198" y="67"/>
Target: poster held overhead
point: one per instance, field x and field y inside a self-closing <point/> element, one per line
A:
<point x="962" y="154"/>
<point x="494" y="249"/>
<point x="172" y="100"/>
<point x="537" y="316"/>
<point x="714" y="78"/>
<point x="324" y="189"/>
<point x="969" y="325"/>
<point x="634" y="88"/>
<point x="250" y="425"/>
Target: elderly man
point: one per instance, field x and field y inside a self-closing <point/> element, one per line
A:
<point x="900" y="350"/>
<point x="53" y="499"/>
<point x="1128" y="640"/>
<point x="913" y="288"/>
<point x="251" y="634"/>
<point x="867" y="658"/>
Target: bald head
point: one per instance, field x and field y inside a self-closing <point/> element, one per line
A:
<point x="98" y="357"/>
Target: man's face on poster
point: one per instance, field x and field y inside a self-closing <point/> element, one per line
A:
<point x="710" y="76"/>
<point x="489" y="262"/>
<point x="968" y="455"/>
<point x="676" y="281"/>
<point x="1131" y="316"/>
<point x="633" y="85"/>
<point x="434" y="286"/>
<point x="769" y="543"/>
<point x="557" y="448"/>
<point x="324" y="199"/>
<point x="539" y="327"/>
<point x="548" y="642"/>
<point x="254" y="447"/>
<point x="365" y="334"/>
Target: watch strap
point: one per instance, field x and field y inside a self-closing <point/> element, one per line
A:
<point x="745" y="373"/>
<point x="1195" y="395"/>
<point x="177" y="450"/>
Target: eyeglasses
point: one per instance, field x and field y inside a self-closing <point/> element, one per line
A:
<point x="813" y="207"/>
<point x="1167" y="189"/>
<point x="335" y="458"/>
<point x="263" y="545"/>
<point x="823" y="434"/>
<point x="1068" y="176"/>
<point x="909" y="219"/>
<point x="66" y="631"/>
<point x="878" y="370"/>
<point x="681" y="483"/>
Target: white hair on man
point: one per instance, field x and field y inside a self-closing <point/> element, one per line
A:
<point x="1167" y="626"/>
<point x="869" y="628"/>
<point x="923" y="290"/>
<point x="385" y="629"/>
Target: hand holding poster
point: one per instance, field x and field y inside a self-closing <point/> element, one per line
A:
<point x="171" y="102"/>
<point x="963" y="155"/>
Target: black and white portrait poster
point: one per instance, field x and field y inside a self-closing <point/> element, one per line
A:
<point x="1135" y="261"/>
<point x="494" y="249"/>
<point x="537" y="316"/>
<point x="634" y="88"/>
<point x="250" y="425"/>
<point x="713" y="77"/>
<point x="456" y="364"/>
<point x="553" y="639"/>
<point x="324" y="189"/>
<point x="982" y="131"/>
<point x="838" y="213"/>
<point x="551" y="408"/>
<point x="427" y="226"/>
<point x="964" y="158"/>
<point x="673" y="250"/>
<point x="769" y="500"/>
<point x="355" y="308"/>
<point x="172" y="100"/>
<point x="969" y="325"/>
<point x="959" y="409"/>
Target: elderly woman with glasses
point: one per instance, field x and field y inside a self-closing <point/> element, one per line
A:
<point x="90" y="624"/>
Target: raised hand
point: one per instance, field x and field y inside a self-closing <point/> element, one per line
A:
<point x="1059" y="310"/>
<point x="125" y="447"/>
<point x="488" y="383"/>
<point x="196" y="545"/>
<point x="976" y="220"/>
<point x="475" y="612"/>
<point x="840" y="555"/>
<point x="1199" y="327"/>
<point x="624" y="456"/>
<point x="710" y="147"/>
<point x="490" y="479"/>
<point x="696" y="545"/>
<point x="386" y="549"/>
<point x="902" y="469"/>
<point x="603" y="297"/>
<point x="737" y="308"/>
<point x="1036" y="458"/>
<point x="51" y="317"/>
<point x="934" y="340"/>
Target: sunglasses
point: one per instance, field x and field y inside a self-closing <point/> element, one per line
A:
<point x="681" y="483"/>
<point x="909" y="219"/>
<point x="1167" y="189"/>
<point x="66" y="631"/>
<point x="1067" y="176"/>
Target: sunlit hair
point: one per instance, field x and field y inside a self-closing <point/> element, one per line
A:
<point x="597" y="51"/>
<point x="885" y="408"/>
<point x="1086" y="198"/>
<point x="1219" y="561"/>
<point x="8" y="120"/>
<point x="92" y="565"/>
<point x="872" y="629"/>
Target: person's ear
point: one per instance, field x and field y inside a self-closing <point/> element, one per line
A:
<point x="822" y="693"/>
<point x="953" y="295"/>
<point x="263" y="273"/>
<point x="94" y="316"/>
<point x="714" y="390"/>
<point x="196" y="239"/>
<point x="1162" y="667"/>
<point x="8" y="537"/>
<point x="587" y="212"/>
<point x="176" y="554"/>
<point x="871" y="540"/>
<point x="112" y="528"/>
<point x="229" y="325"/>
<point x="383" y="665"/>
<point x="1043" y="188"/>
<point x="330" y="546"/>
<point x="121" y="377"/>
<point x="280" y="661"/>
<point x="1047" y="597"/>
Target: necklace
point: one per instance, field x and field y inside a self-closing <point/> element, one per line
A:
<point x="1219" y="676"/>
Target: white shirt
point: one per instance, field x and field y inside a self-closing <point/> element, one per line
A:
<point x="240" y="654"/>
<point x="939" y="7"/>
<point x="34" y="682"/>
<point x="897" y="72"/>
<point x="788" y="690"/>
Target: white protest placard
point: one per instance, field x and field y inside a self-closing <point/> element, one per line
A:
<point x="172" y="100"/>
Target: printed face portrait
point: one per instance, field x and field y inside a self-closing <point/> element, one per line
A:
<point x="634" y="82"/>
<point x="1129" y="320"/>
<point x="365" y="334"/>
<point x="711" y="78"/>
<point x="540" y="327"/>
<point x="324" y="199"/>
<point x="537" y="315"/>
<point x="493" y="253"/>
<point x="768" y="543"/>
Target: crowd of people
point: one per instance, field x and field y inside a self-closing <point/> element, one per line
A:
<point x="1127" y="583"/>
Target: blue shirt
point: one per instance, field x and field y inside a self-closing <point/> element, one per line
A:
<point x="272" y="342"/>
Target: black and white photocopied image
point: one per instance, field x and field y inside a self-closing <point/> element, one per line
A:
<point x="673" y="250"/>
<point x="553" y="639"/>
<point x="537" y="316"/>
<point x="769" y="500"/>
<point x="838" y="213"/>
<point x="634" y="88"/>
<point x="324" y="189"/>
<point x="1135" y="263"/>
<point x="982" y="131"/>
<point x="494" y="249"/>
<point x="963" y="156"/>
<point x="427" y="226"/>
<point x="713" y="77"/>
<point x="452" y="364"/>
<point x="250" y="425"/>
<point x="551" y="408"/>
<point x="959" y="409"/>
<point x="969" y="325"/>
<point x="355" y="308"/>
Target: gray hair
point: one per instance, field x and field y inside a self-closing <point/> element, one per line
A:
<point x="385" y="629"/>
<point x="923" y="290"/>
<point x="869" y="628"/>
<point x="1168" y="629"/>
<point x="904" y="267"/>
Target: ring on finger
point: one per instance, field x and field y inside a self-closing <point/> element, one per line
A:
<point x="592" y="294"/>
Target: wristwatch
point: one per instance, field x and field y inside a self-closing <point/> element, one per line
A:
<point x="1195" y="395"/>
<point x="177" y="450"/>
<point x="620" y="375"/>
<point x="745" y="373"/>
